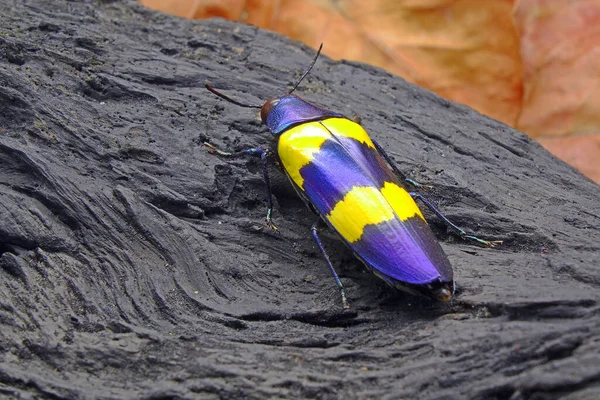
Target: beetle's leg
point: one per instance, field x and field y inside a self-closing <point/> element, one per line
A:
<point x="459" y="231"/>
<point x="254" y="152"/>
<point x="264" y="161"/>
<point x="395" y="169"/>
<point x="315" y="233"/>
<point x="433" y="208"/>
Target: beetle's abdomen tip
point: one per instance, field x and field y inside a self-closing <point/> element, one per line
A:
<point x="442" y="294"/>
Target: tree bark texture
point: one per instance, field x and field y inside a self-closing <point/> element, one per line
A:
<point x="136" y="265"/>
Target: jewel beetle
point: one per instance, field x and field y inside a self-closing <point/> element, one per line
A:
<point x="356" y="190"/>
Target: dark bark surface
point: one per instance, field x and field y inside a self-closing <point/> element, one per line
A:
<point x="135" y="265"/>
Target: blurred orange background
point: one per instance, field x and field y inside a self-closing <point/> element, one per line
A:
<point x="533" y="64"/>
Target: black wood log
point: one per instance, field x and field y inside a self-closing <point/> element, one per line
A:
<point x="135" y="265"/>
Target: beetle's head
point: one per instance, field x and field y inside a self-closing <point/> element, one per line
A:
<point x="267" y="107"/>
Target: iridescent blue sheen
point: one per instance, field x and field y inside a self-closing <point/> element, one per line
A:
<point x="292" y="110"/>
<point x="341" y="164"/>
<point x="406" y="251"/>
<point x="403" y="251"/>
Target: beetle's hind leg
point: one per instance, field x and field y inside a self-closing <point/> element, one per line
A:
<point x="460" y="232"/>
<point x="315" y="233"/>
<point x="264" y="156"/>
<point x="400" y="174"/>
<point x="414" y="195"/>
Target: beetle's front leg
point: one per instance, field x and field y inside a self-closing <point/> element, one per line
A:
<point x="254" y="152"/>
<point x="460" y="232"/>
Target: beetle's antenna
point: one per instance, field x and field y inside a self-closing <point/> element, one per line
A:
<point x="237" y="103"/>
<point x="312" y="64"/>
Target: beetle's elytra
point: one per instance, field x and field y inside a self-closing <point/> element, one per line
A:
<point x="347" y="179"/>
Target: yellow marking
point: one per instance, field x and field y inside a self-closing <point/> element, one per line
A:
<point x="404" y="206"/>
<point x="361" y="206"/>
<point x="298" y="145"/>
<point x="345" y="127"/>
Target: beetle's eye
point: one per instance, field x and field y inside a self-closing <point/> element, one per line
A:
<point x="267" y="107"/>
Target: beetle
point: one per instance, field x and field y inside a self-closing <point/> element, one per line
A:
<point x="357" y="191"/>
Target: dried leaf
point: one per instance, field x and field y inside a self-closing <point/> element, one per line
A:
<point x="582" y="152"/>
<point x="533" y="64"/>
<point x="560" y="47"/>
<point x="465" y="50"/>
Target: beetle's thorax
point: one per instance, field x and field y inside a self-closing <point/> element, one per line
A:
<point x="281" y="113"/>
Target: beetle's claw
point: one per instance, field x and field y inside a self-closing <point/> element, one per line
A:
<point x="211" y="149"/>
<point x="494" y="243"/>
<point x="271" y="225"/>
<point x="485" y="243"/>
<point x="345" y="304"/>
<point x="418" y="185"/>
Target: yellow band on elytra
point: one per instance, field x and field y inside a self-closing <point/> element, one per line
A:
<point x="360" y="207"/>
<point x="298" y="145"/>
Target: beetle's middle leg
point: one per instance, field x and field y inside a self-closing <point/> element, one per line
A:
<point x="459" y="231"/>
<point x="254" y="152"/>
<point x="315" y="233"/>
<point x="395" y="168"/>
